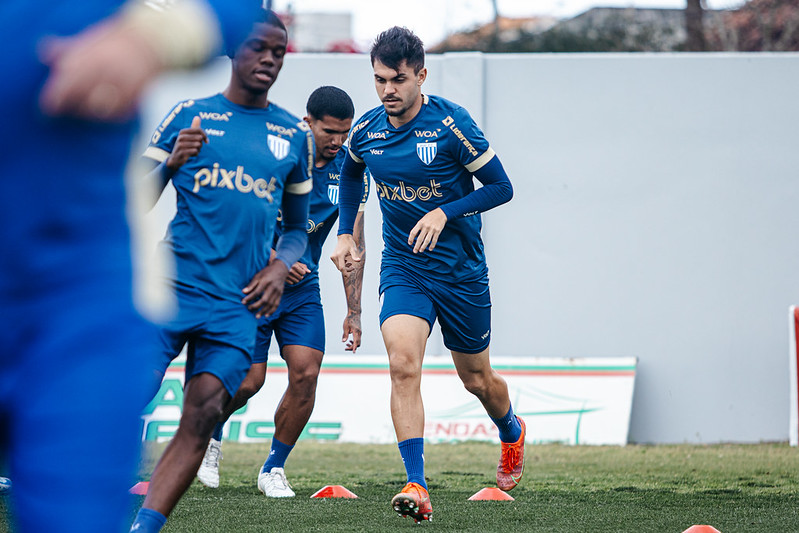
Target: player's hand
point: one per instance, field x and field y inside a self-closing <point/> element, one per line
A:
<point x="297" y="272"/>
<point x="352" y="327"/>
<point x="264" y="291"/>
<point x="345" y="246"/>
<point x="190" y="141"/>
<point x="427" y="230"/>
<point x="99" y="74"/>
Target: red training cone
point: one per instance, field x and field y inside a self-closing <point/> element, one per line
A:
<point x="701" y="529"/>
<point x="491" y="493"/>
<point x="140" y="488"/>
<point x="333" y="491"/>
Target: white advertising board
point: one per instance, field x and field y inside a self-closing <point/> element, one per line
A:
<point x="570" y="401"/>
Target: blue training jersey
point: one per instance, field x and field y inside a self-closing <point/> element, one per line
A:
<point x="418" y="167"/>
<point x="322" y="213"/>
<point x="228" y="196"/>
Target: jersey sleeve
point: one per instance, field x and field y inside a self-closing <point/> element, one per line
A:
<point x="469" y="145"/>
<point x="354" y="138"/>
<point x="166" y="134"/>
<point x="300" y="179"/>
<point x="366" y="183"/>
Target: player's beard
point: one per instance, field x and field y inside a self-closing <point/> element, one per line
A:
<point x="396" y="112"/>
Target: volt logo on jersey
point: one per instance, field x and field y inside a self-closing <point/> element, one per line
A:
<point x="237" y="180"/>
<point x="278" y="146"/>
<point x="332" y="194"/>
<point x="426" y="152"/>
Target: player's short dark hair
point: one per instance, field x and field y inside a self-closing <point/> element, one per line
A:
<point x="265" y="16"/>
<point x="396" y="45"/>
<point x="330" y="101"/>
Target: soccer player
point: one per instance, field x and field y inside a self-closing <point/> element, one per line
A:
<point x="230" y="178"/>
<point x="422" y="152"/>
<point x="74" y="352"/>
<point x="298" y="324"/>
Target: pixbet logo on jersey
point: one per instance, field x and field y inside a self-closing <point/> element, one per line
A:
<point x="406" y="193"/>
<point x="234" y="180"/>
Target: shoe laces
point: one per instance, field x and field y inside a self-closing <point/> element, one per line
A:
<point x="277" y="477"/>
<point x="213" y="454"/>
<point x="510" y="457"/>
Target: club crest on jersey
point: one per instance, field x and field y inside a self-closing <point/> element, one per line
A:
<point x="426" y="152"/>
<point x="332" y="193"/>
<point x="278" y="146"/>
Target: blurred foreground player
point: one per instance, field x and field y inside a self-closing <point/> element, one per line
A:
<point x="298" y="324"/>
<point x="230" y="180"/>
<point x="73" y="350"/>
<point x="422" y="152"/>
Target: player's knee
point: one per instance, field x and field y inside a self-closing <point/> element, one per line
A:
<point x="476" y="384"/>
<point x="304" y="381"/>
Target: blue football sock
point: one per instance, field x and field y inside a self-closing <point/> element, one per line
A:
<point x="277" y="455"/>
<point x="148" y="521"/>
<point x="509" y="427"/>
<point x="412" y="452"/>
<point x="217" y="434"/>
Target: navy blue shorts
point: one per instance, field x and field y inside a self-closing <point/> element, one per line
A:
<point x="463" y="309"/>
<point x="298" y="320"/>
<point x="220" y="336"/>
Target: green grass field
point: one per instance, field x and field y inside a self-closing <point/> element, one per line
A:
<point x="666" y="489"/>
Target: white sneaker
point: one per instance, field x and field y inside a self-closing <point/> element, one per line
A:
<point x="274" y="484"/>
<point x="208" y="473"/>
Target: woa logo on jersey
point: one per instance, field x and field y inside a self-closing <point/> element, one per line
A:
<point x="237" y="180"/>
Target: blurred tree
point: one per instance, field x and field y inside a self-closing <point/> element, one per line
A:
<point x="758" y="26"/>
<point x="694" y="26"/>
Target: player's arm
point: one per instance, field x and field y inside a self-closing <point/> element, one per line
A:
<point x="496" y="190"/>
<point x="263" y="293"/>
<point x="350" y="195"/>
<point x="158" y="165"/>
<point x="352" y="275"/>
<point x="100" y="73"/>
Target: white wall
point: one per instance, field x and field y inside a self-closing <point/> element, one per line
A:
<point x="654" y="216"/>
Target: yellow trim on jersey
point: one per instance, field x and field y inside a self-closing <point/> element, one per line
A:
<point x="425" y="99"/>
<point x="303" y="187"/>
<point x="478" y="163"/>
<point x="355" y="157"/>
<point x="159" y="154"/>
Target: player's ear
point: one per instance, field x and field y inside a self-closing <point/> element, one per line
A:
<point x="307" y="119"/>
<point x="421" y="76"/>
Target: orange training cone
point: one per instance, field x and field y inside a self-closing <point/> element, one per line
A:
<point x="701" y="529"/>
<point x="140" y="488"/>
<point x="333" y="491"/>
<point x="491" y="493"/>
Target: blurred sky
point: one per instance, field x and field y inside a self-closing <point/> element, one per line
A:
<point x="432" y="20"/>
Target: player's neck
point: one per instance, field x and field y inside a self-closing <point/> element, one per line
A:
<point x="246" y="98"/>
